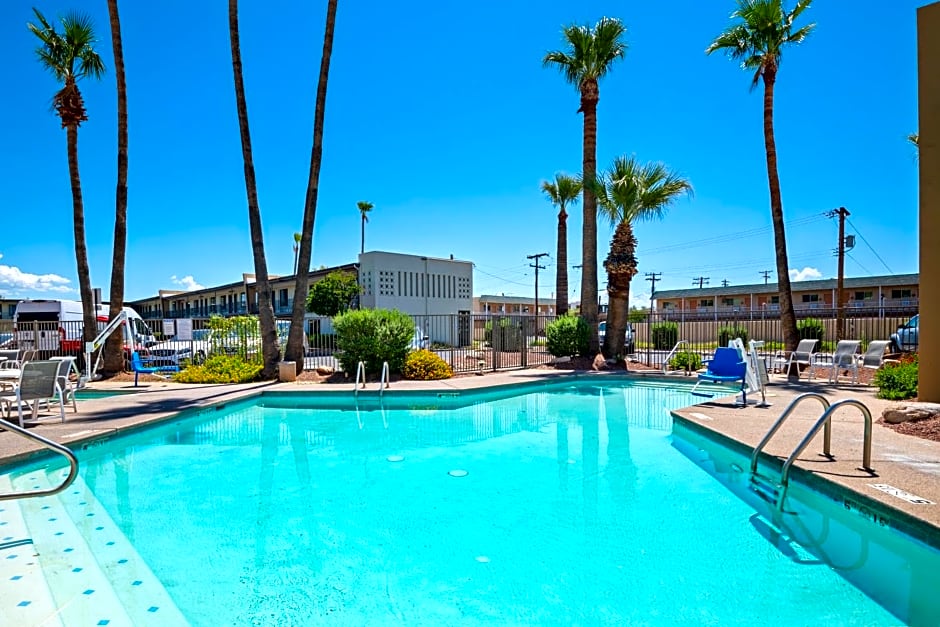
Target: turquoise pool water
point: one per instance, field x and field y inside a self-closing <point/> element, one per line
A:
<point x="573" y="504"/>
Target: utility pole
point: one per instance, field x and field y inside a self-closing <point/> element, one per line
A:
<point x="537" y="268"/>
<point x="842" y="213"/>
<point x="724" y="283"/>
<point x="766" y="275"/>
<point x="652" y="277"/>
<point x="701" y="280"/>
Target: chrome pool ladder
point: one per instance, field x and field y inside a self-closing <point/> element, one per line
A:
<point x="53" y="446"/>
<point x="775" y="491"/>
<point x="384" y="379"/>
<point x="360" y="370"/>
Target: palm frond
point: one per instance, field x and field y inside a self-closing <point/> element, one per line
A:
<point x="631" y="191"/>
<point x="60" y="52"/>
<point x="590" y="51"/>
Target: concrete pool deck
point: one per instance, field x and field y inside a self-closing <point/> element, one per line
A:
<point x="905" y="463"/>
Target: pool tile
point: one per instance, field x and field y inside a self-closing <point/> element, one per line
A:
<point x="16" y="577"/>
<point x="23" y="603"/>
<point x="89" y="591"/>
<point x="103" y="621"/>
<point x="76" y="570"/>
<point x="152" y="609"/>
<point x="122" y="561"/>
<point x="137" y="583"/>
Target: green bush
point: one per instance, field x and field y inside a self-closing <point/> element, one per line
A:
<point x="507" y="335"/>
<point x="811" y="329"/>
<point x="567" y="336"/>
<point x="664" y="335"/>
<point x="423" y="365"/>
<point x="898" y="382"/>
<point x="686" y="360"/>
<point x="373" y="336"/>
<point x="220" y="369"/>
<point x="728" y="333"/>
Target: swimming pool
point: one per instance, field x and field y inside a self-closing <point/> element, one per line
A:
<point x="566" y="504"/>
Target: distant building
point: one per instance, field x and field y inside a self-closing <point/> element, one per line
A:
<point x="874" y="295"/>
<point x="492" y="304"/>
<point x="8" y="308"/>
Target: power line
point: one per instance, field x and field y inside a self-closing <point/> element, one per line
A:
<point x="724" y="283"/>
<point x="766" y="275"/>
<point x="701" y="280"/>
<point x="504" y="280"/>
<point x="859" y="233"/>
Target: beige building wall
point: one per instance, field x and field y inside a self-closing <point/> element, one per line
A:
<point x="928" y="76"/>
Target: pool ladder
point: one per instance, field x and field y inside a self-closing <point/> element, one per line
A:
<point x="774" y="492"/>
<point x="384" y="380"/>
<point x="53" y="446"/>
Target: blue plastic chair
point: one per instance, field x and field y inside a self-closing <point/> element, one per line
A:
<point x="137" y="365"/>
<point x="725" y="367"/>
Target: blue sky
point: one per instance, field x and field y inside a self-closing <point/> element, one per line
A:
<point x="442" y="115"/>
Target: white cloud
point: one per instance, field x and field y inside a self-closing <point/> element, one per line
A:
<point x="15" y="280"/>
<point x="804" y="274"/>
<point x="641" y="300"/>
<point x="188" y="283"/>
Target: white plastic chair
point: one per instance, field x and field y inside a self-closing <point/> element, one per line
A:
<point x="803" y="355"/>
<point x="845" y="358"/>
<point x="37" y="384"/>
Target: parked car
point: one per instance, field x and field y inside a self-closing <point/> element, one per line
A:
<point x="906" y="337"/>
<point x="629" y="347"/>
<point x="174" y="350"/>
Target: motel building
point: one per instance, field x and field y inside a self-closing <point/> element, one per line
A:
<point x="874" y="296"/>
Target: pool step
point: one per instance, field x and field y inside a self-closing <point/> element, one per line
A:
<point x="94" y="573"/>
<point x="766" y="488"/>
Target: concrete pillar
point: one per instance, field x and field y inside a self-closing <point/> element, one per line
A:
<point x="928" y="76"/>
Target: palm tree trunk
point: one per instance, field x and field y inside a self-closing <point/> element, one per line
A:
<point x="89" y="315"/>
<point x="362" y="247"/>
<point x="295" y="348"/>
<point x="621" y="268"/>
<point x="561" y="274"/>
<point x="589" y="99"/>
<point x="270" y="350"/>
<point x="787" y="315"/>
<point x="114" y="348"/>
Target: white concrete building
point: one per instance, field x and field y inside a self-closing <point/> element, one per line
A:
<point x="439" y="290"/>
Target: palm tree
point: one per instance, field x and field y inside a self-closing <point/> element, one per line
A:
<point x="758" y="37"/>
<point x="270" y="349"/>
<point x="364" y="208"/>
<point x="589" y="56"/>
<point x="628" y="192"/>
<point x="114" y="348"/>
<point x="563" y="191"/>
<point x="295" y="347"/>
<point x="70" y="56"/>
<point x="297" y="237"/>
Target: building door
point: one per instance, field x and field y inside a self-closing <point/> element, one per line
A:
<point x="463" y="328"/>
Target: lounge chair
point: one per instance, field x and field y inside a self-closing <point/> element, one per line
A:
<point x="139" y="366"/>
<point x="727" y="366"/>
<point x="803" y="355"/>
<point x="64" y="386"/>
<point x="37" y="384"/>
<point x="845" y="358"/>
<point x="874" y="357"/>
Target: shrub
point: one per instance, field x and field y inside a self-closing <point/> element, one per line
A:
<point x="664" y="335"/>
<point x="898" y="382"/>
<point x="220" y="369"/>
<point x="811" y="329"/>
<point x="423" y="365"/>
<point x="373" y="336"/>
<point x="567" y="336"/>
<point x="728" y="333"/>
<point x="686" y="360"/>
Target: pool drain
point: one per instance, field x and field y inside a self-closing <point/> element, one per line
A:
<point x="457" y="473"/>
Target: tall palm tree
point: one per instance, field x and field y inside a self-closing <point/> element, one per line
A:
<point x="70" y="56"/>
<point x="563" y="191"/>
<point x="270" y="349"/>
<point x="589" y="57"/>
<point x="297" y="237"/>
<point x="628" y="192"/>
<point x="364" y="209"/>
<point x="295" y="347"/>
<point x="758" y="37"/>
<point x="114" y="348"/>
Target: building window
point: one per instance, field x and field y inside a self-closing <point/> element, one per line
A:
<point x="863" y="295"/>
<point x="706" y="302"/>
<point x="810" y="298"/>
<point x="901" y="293"/>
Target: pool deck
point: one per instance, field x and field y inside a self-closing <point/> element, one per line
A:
<point x="906" y="463"/>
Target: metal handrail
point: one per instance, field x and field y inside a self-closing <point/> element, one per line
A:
<point x="827" y="437"/>
<point x="824" y="419"/>
<point x="360" y="369"/>
<point x="671" y="353"/>
<point x="384" y="378"/>
<point x="54" y="446"/>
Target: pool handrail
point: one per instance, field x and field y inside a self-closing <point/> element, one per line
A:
<point x="384" y="378"/>
<point x="671" y="353"/>
<point x="827" y="436"/>
<point x="49" y="444"/>
<point x="360" y="369"/>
